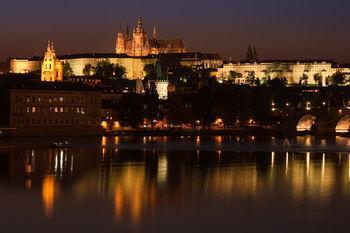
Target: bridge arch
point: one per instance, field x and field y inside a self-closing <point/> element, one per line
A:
<point x="306" y="123"/>
<point x="343" y="125"/>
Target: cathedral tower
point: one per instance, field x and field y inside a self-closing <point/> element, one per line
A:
<point x="140" y="46"/>
<point x="51" y="69"/>
<point x="120" y="44"/>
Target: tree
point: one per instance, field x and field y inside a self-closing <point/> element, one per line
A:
<point x="251" y="78"/>
<point x="318" y="79"/>
<point x="67" y="70"/>
<point x="233" y="75"/>
<point x="104" y="69"/>
<point x="276" y="83"/>
<point x="150" y="71"/>
<point x="119" y="71"/>
<point x="203" y="103"/>
<point x="338" y="79"/>
<point x="152" y="111"/>
<point x="131" y="109"/>
<point x="88" y="70"/>
<point x="304" y="79"/>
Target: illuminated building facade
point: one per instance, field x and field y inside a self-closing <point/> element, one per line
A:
<point x="54" y="109"/>
<point x="51" y="68"/>
<point x="134" y="65"/>
<point x="293" y="71"/>
<point x="138" y="44"/>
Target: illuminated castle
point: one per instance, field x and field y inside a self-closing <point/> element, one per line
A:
<point x="51" y="68"/>
<point x="138" y="44"/>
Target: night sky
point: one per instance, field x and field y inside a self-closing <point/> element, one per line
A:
<point x="280" y="29"/>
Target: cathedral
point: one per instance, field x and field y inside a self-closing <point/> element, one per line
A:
<point x="138" y="44"/>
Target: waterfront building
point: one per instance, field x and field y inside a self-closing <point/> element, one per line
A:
<point x="138" y="43"/>
<point x="53" y="109"/>
<point x="51" y="68"/>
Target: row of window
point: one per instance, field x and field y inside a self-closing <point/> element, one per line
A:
<point x="54" y="99"/>
<point x="54" y="110"/>
<point x="52" y="121"/>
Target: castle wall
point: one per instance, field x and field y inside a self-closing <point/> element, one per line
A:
<point x="24" y="66"/>
<point x="134" y="66"/>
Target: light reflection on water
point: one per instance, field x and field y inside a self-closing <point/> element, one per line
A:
<point x="148" y="190"/>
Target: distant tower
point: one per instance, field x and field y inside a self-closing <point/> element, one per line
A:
<point x="250" y="55"/>
<point x="140" y="44"/>
<point x="154" y="32"/>
<point x="162" y="82"/>
<point x="120" y="44"/>
<point x="51" y="69"/>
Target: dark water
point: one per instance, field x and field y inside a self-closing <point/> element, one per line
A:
<point x="196" y="185"/>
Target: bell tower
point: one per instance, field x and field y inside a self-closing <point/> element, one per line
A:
<point x="51" y="69"/>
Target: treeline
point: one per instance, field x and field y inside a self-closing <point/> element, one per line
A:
<point x="237" y="106"/>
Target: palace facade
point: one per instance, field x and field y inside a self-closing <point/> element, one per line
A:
<point x="138" y="44"/>
<point x="134" y="65"/>
<point x="293" y="71"/>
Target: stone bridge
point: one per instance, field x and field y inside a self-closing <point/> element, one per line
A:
<point x="339" y="125"/>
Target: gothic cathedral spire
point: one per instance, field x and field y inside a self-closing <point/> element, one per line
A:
<point x="154" y="32"/>
<point x="139" y="27"/>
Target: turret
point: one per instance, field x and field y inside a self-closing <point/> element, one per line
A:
<point x="120" y="44"/>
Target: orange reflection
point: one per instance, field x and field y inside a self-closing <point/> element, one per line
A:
<point x="116" y="140"/>
<point x="133" y="194"/>
<point x="104" y="141"/>
<point x="218" y="140"/>
<point x="48" y="195"/>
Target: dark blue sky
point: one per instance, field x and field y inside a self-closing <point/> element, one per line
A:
<point x="280" y="29"/>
